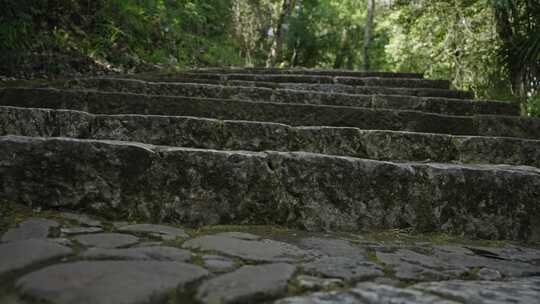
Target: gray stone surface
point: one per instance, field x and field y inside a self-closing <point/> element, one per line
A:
<point x="107" y="240"/>
<point x="291" y="114"/>
<point x="80" y="230"/>
<point x="433" y="104"/>
<point x="21" y="254"/>
<point x="302" y="79"/>
<point x="239" y="235"/>
<point x="333" y="247"/>
<point x="486" y="201"/>
<point x="108" y="282"/>
<point x="368" y="293"/>
<point x="522" y="291"/>
<point x="155" y="253"/>
<point x="35" y="228"/>
<point x="466" y="258"/>
<point x="349" y="269"/>
<point x="248" y="284"/>
<point x="165" y="232"/>
<point x="257" y="136"/>
<point x="262" y="251"/>
<point x="218" y="263"/>
<point x="410" y="265"/>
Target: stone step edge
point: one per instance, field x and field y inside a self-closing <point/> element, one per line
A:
<point x="450" y="106"/>
<point x="426" y="92"/>
<point x="292" y="114"/>
<point x="339" y="88"/>
<point x="315" y="192"/>
<point x="310" y="79"/>
<point x="208" y="133"/>
<point x="304" y="71"/>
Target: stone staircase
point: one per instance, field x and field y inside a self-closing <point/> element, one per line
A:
<point x="309" y="149"/>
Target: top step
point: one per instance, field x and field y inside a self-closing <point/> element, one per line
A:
<point x="318" y="79"/>
<point x="300" y="71"/>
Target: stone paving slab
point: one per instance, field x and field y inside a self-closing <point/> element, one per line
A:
<point x="249" y="284"/>
<point x="311" y="191"/>
<point x="258" y="136"/>
<point x="22" y="254"/>
<point x="40" y="270"/>
<point x="29" y="229"/>
<point x="291" y="114"/>
<point x="108" y="282"/>
<point x="424" y="104"/>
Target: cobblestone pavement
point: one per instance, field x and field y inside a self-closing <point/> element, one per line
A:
<point x="59" y="257"/>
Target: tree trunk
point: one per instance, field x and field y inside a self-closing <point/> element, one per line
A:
<point x="277" y="45"/>
<point x="368" y="29"/>
<point x="342" y="52"/>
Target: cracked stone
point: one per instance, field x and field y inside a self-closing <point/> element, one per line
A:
<point x="368" y="293"/>
<point x="333" y="247"/>
<point x="21" y="254"/>
<point x="248" y="284"/>
<point x="525" y="291"/>
<point x="410" y="265"/>
<point x="465" y="258"/>
<point x="36" y="228"/>
<point x="156" y="253"/>
<point x="108" y="282"/>
<point x="262" y="251"/>
<point x="345" y="268"/>
<point x="107" y="240"/>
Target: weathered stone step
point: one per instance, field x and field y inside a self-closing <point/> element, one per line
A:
<point x="317" y="79"/>
<point x="301" y="71"/>
<point x="423" y="104"/>
<point x="348" y="89"/>
<point x="291" y="114"/>
<point x="258" y="136"/>
<point x="310" y="191"/>
<point x="329" y="88"/>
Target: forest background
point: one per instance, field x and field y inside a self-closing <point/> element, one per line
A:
<point x="491" y="47"/>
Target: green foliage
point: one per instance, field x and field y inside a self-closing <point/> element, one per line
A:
<point x="489" y="46"/>
<point x="446" y="39"/>
<point x="125" y="33"/>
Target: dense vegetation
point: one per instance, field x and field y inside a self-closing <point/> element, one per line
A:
<point x="489" y="46"/>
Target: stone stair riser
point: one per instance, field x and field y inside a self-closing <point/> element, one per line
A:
<point x="291" y="114"/>
<point x="313" y="192"/>
<point x="345" y="73"/>
<point x="256" y="136"/>
<point x="434" y="105"/>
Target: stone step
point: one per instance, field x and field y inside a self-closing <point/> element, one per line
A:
<point x="310" y="191"/>
<point x="291" y="114"/>
<point x="320" y="87"/>
<point x="423" y="104"/>
<point x="301" y="71"/>
<point x="348" y="89"/>
<point x="258" y="136"/>
<point x="303" y="79"/>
